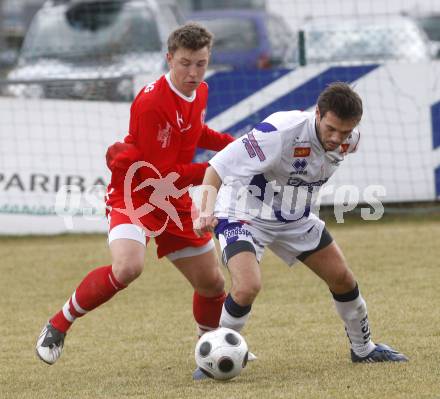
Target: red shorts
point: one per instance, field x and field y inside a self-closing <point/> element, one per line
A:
<point x="167" y="234"/>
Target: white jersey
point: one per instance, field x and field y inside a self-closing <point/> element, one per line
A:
<point x="272" y="174"/>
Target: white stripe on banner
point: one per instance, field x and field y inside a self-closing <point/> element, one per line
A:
<point x="265" y="96"/>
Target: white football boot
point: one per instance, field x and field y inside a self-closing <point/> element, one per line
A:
<point x="50" y="344"/>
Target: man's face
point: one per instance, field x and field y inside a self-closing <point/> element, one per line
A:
<point x="187" y="68"/>
<point x="332" y="131"/>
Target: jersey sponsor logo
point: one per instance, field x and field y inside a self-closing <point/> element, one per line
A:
<point x="164" y="135"/>
<point x="255" y="147"/>
<point x="301" y="152"/>
<point x="233" y="234"/>
<point x="300" y="165"/>
<point x="180" y="123"/>
<point x="344" y="148"/>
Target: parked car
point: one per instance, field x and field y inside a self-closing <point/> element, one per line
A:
<point x="15" y="17"/>
<point x="247" y="38"/>
<point x="92" y="49"/>
<point x="364" y="39"/>
<point x="430" y="23"/>
<point x="8" y="56"/>
<point x="221" y="4"/>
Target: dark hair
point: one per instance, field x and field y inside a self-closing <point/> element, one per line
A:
<point x="342" y="100"/>
<point x="192" y="36"/>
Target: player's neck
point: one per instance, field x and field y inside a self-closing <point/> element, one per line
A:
<point x="171" y="83"/>
<point x="317" y="135"/>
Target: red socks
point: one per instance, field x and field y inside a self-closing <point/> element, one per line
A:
<point x="100" y="285"/>
<point x="207" y="311"/>
<point x="96" y="288"/>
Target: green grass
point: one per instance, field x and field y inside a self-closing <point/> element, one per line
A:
<point x="140" y="344"/>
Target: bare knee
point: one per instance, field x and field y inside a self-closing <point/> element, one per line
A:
<point x="245" y="293"/>
<point x="127" y="270"/>
<point x="128" y="260"/>
<point x="211" y="283"/>
<point x="203" y="272"/>
<point x="217" y="282"/>
<point x="342" y="281"/>
<point x="246" y="277"/>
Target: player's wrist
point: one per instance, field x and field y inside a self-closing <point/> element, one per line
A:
<point x="206" y="215"/>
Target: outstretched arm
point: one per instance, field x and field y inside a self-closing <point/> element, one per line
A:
<point x="120" y="156"/>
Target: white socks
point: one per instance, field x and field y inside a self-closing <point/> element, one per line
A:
<point x="229" y="321"/>
<point x="234" y="315"/>
<point x="354" y="314"/>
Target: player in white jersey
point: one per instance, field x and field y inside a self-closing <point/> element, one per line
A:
<point x="267" y="182"/>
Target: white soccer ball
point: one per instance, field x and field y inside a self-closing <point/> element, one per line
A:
<point x="221" y="354"/>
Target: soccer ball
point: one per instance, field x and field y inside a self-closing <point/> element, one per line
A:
<point x="221" y="354"/>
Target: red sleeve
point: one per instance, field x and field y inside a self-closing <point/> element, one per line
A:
<point x="213" y="140"/>
<point x="120" y="156"/>
<point x="191" y="173"/>
<point x="151" y="144"/>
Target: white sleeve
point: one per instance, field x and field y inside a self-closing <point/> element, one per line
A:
<point x="253" y="153"/>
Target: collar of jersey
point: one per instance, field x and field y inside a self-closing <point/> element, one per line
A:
<point x="173" y="88"/>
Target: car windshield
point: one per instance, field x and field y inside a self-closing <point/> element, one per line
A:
<point x="232" y="33"/>
<point x="95" y="29"/>
<point x="365" y="43"/>
<point x="431" y="25"/>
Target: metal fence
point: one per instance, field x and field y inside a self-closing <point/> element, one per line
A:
<point x="343" y="33"/>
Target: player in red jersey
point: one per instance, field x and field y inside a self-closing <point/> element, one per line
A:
<point x="148" y="194"/>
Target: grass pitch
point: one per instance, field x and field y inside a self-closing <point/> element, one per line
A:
<point x="140" y="344"/>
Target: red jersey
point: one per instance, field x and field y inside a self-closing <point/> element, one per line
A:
<point x="167" y="127"/>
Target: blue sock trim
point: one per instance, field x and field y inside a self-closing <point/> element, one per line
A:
<point x="234" y="309"/>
